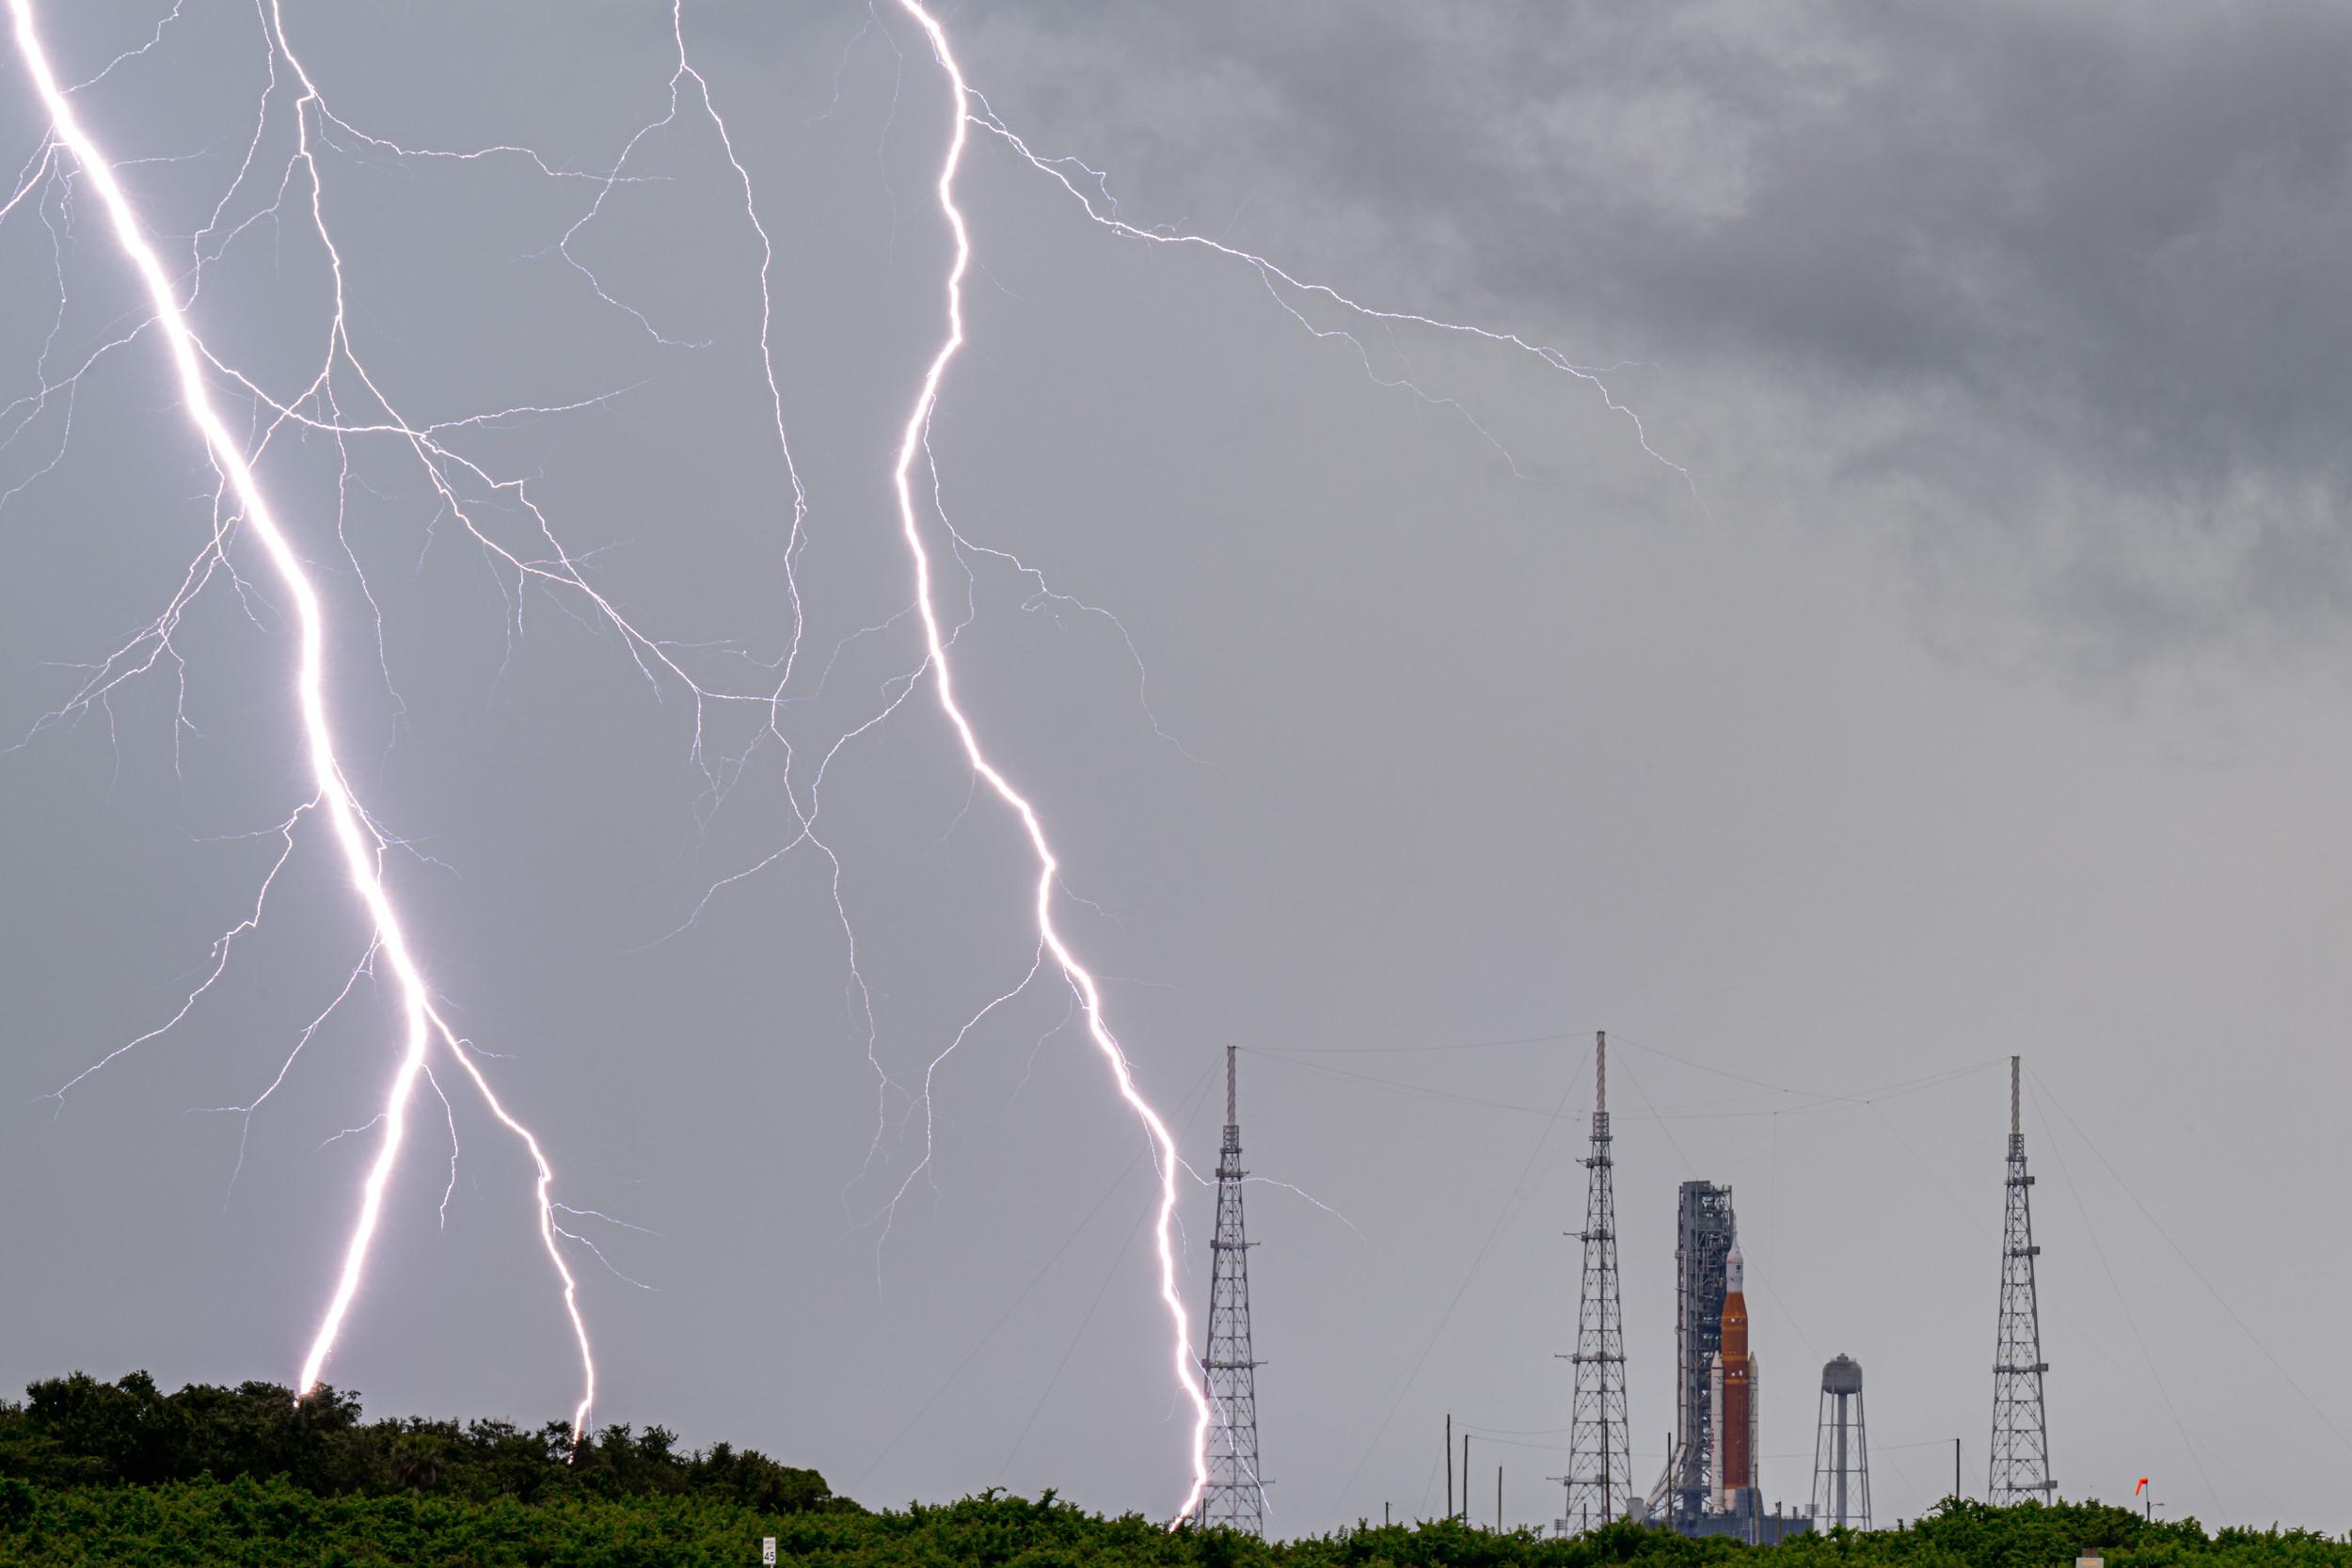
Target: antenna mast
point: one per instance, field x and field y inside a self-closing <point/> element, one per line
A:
<point x="1235" y="1496"/>
<point x="2020" y="1469"/>
<point x="1600" y="1457"/>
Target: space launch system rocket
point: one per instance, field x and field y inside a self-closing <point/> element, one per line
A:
<point x="1731" y="1386"/>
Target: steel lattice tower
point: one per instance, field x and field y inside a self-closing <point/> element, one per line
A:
<point x="1234" y="1499"/>
<point x="2021" y="1438"/>
<point x="1600" y="1450"/>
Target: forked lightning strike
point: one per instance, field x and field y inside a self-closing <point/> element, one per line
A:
<point x="362" y="847"/>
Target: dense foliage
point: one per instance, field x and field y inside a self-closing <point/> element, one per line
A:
<point x="75" y="1432"/>
<point x="93" y="1473"/>
<point x="271" y="1523"/>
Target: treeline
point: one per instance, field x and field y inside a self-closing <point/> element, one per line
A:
<point x="75" y="1432"/>
<point x="274" y="1524"/>
<point x="94" y="1473"/>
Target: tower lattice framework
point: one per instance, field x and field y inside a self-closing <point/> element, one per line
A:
<point x="1601" y="1454"/>
<point x="1235" y="1498"/>
<point x="2019" y="1467"/>
<point x="1704" y="1226"/>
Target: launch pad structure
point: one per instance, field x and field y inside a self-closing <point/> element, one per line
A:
<point x="1703" y="1242"/>
<point x="1711" y="1484"/>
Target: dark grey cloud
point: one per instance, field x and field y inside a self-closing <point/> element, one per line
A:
<point x="2053" y="246"/>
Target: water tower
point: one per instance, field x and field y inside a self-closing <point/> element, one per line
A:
<point x="1841" y="1451"/>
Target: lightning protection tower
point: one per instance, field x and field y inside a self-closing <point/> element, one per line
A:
<point x="1234" y="1498"/>
<point x="2021" y="1439"/>
<point x="1841" y="1449"/>
<point x="1601" y="1454"/>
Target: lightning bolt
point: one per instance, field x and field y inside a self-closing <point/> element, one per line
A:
<point x="362" y="846"/>
<point x="1285" y="288"/>
<point x="911" y="446"/>
<point x="464" y="486"/>
<point x="971" y="110"/>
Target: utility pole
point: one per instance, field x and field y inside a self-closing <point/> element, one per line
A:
<point x="1955" y="1469"/>
<point x="1498" y="1499"/>
<point x="1235" y="1498"/>
<point x="2019" y="1467"/>
<point x="1465" y="1477"/>
<point x="1600" y="1447"/>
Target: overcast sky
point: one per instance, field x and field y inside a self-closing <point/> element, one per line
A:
<point x="1956" y="672"/>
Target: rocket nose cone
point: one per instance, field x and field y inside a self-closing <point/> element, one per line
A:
<point x="1733" y="1269"/>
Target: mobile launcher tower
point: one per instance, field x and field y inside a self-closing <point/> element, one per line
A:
<point x="1702" y="1249"/>
<point x="1711" y="1487"/>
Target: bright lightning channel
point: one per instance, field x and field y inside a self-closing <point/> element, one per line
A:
<point x="362" y="846"/>
<point x="911" y="448"/>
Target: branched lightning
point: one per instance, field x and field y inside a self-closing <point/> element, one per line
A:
<point x="911" y="448"/>
<point x="972" y="110"/>
<point x="1296" y="1191"/>
<point x="365" y="967"/>
<point x="345" y="403"/>
<point x="1103" y="209"/>
<point x="320" y="407"/>
<point x="222" y="947"/>
<point x="361" y="847"/>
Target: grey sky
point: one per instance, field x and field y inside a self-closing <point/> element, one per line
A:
<point x="1983" y="698"/>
